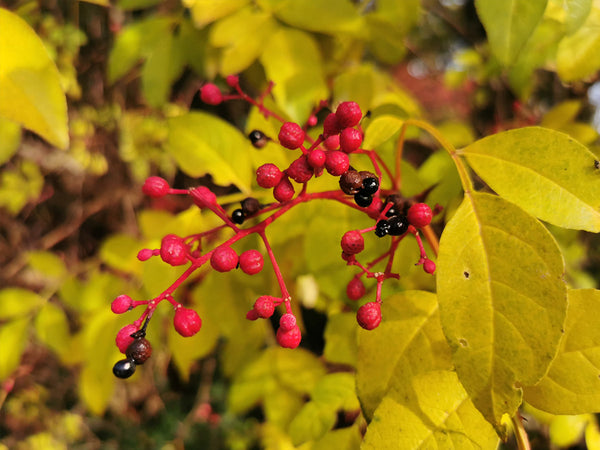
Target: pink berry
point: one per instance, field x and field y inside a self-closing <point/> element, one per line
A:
<point x="232" y="80"/>
<point x="268" y="176"/>
<point x="419" y="215"/>
<point x="121" y="304"/>
<point x="312" y="121"/>
<point x="290" y="338"/>
<point x="368" y="315"/>
<point x="252" y="315"/>
<point x="429" y="266"/>
<point x="173" y="250"/>
<point x="300" y="170"/>
<point x="374" y="209"/>
<point x="291" y="135"/>
<point x="155" y="187"/>
<point x="355" y="289"/>
<point x="203" y="197"/>
<point x="350" y="139"/>
<point x="224" y="259"/>
<point x="145" y="254"/>
<point x="187" y="322"/>
<point x="264" y="306"/>
<point x="331" y="125"/>
<point x="352" y="242"/>
<point x="124" y="338"/>
<point x="284" y="191"/>
<point x="316" y="158"/>
<point x="287" y="322"/>
<point x="211" y="94"/>
<point x="348" y="114"/>
<point x="337" y="162"/>
<point x="251" y="262"/>
<point x="332" y="142"/>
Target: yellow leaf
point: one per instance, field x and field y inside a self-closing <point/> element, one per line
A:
<point x="52" y="328"/>
<point x="15" y="302"/>
<point x="13" y="336"/>
<point x="577" y="56"/>
<point x="502" y="300"/>
<point x="207" y="11"/>
<point x="30" y="83"/>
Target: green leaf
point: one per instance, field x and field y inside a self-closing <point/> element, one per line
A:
<point x="47" y="263"/>
<point x="332" y="17"/>
<point x="32" y="94"/>
<point x="576" y="13"/>
<point x="578" y="55"/>
<point x="120" y="251"/>
<point x="502" y="300"/>
<point x="10" y="139"/>
<point x="509" y="24"/>
<point x="409" y="341"/>
<point x="13" y="336"/>
<point x="342" y="438"/>
<point x="545" y="172"/>
<point x="572" y="384"/>
<point x="438" y="414"/>
<point x="312" y="422"/>
<point x="16" y="302"/>
<point x="202" y="143"/>
<point x="207" y="11"/>
<point x="380" y="130"/>
<point x="52" y="328"/>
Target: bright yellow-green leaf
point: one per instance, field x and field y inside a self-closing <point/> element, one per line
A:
<point x="342" y="438"/>
<point x="19" y="185"/>
<point x="575" y="13"/>
<point x="332" y="16"/>
<point x="566" y="431"/>
<point x="120" y="251"/>
<point x="340" y="339"/>
<point x="30" y="83"/>
<point x="10" y="139"/>
<point x="95" y="389"/>
<point x="502" y="300"/>
<point x="439" y="415"/>
<point x="545" y="172"/>
<point x="561" y="114"/>
<point x="312" y="422"/>
<point x="572" y="384"/>
<point x="592" y="436"/>
<point x="509" y="24"/>
<point x="380" y="130"/>
<point x="52" y="328"/>
<point x="130" y="5"/>
<point x="408" y="341"/>
<point x="202" y="143"/>
<point x="337" y="390"/>
<point x="13" y="336"/>
<point x="207" y="11"/>
<point x="15" y="302"/>
<point x="281" y="405"/>
<point x="47" y="263"/>
<point x="578" y="55"/>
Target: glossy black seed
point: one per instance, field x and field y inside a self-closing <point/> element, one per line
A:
<point x="250" y="206"/>
<point x="370" y="185"/>
<point x="258" y="138"/>
<point x="391" y="212"/>
<point x="124" y="368"/>
<point x="363" y="200"/>
<point x="237" y="216"/>
<point x="398" y="225"/>
<point x="382" y="228"/>
<point x="139" y="351"/>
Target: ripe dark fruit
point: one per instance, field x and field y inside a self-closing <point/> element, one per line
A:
<point x="382" y="228"/>
<point x="351" y="182"/>
<point x="258" y="138"/>
<point x="250" y="206"/>
<point x="124" y="368"/>
<point x="363" y="200"/>
<point x="370" y="185"/>
<point x="237" y="216"/>
<point x="139" y="351"/>
<point x="398" y="225"/>
<point x="391" y="212"/>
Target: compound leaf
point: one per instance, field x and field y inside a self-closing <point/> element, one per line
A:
<point x="545" y="172"/>
<point x="502" y="300"/>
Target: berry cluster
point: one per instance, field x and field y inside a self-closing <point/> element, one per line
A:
<point x="330" y="152"/>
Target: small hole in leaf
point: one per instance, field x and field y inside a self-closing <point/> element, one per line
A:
<point x="463" y="342"/>
<point x="466" y="274"/>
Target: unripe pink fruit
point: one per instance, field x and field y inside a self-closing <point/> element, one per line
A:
<point x="264" y="306"/>
<point x="332" y="142"/>
<point x="173" y="250"/>
<point x="290" y="338"/>
<point x="121" y="304"/>
<point x="232" y="80"/>
<point x="224" y="259"/>
<point x="187" y="322"/>
<point x="429" y="266"/>
<point x="368" y="315"/>
<point x="268" y="176"/>
<point x="355" y="289"/>
<point x="211" y="94"/>
<point x="337" y="163"/>
<point x="348" y="114"/>
<point x="300" y="171"/>
<point x="352" y="242"/>
<point x="251" y="262"/>
<point x="284" y="191"/>
<point x="124" y="339"/>
<point x="287" y="322"/>
<point x="312" y="121"/>
<point x="316" y="158"/>
<point x="291" y="135"/>
<point x="350" y="140"/>
<point x="203" y="197"/>
<point x="419" y="215"/>
<point x="155" y="187"/>
<point x="331" y="125"/>
<point x="145" y="254"/>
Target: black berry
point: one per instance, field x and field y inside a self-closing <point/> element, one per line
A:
<point x="391" y="212"/>
<point x="398" y="225"/>
<point x="363" y="200"/>
<point x="382" y="228"/>
<point x="250" y="206"/>
<point x="258" y="138"/>
<point x="370" y="185"/>
<point x="237" y="216"/>
<point x="124" y="368"/>
<point x="139" y="351"/>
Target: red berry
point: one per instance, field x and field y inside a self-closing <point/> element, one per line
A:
<point x="268" y="176"/>
<point x="232" y="80"/>
<point x="331" y="125"/>
<point x="348" y="114"/>
<point x="337" y="162"/>
<point x="290" y="338"/>
<point x="332" y="142"/>
<point x="203" y="197"/>
<point x="291" y="135"/>
<point x="429" y="266"/>
<point x="419" y="215"/>
<point x="251" y="315"/>
<point x="312" y="121"/>
<point x="173" y="250"/>
<point x="124" y="339"/>
<point x="350" y="139"/>
<point x="251" y="262"/>
<point x="369" y="315"/>
<point x="352" y="242"/>
<point x="187" y="322"/>
<point x="284" y="191"/>
<point x="316" y="158"/>
<point x="145" y="254"/>
<point x="264" y="306"/>
<point x="121" y="304"/>
<point x="155" y="187"/>
<point x="211" y="94"/>
<point x="355" y="289"/>
<point x="224" y="259"/>
<point x="300" y="170"/>
<point x="287" y="322"/>
<point x="374" y="209"/>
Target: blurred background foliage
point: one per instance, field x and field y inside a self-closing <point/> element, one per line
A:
<point x="72" y="217"/>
